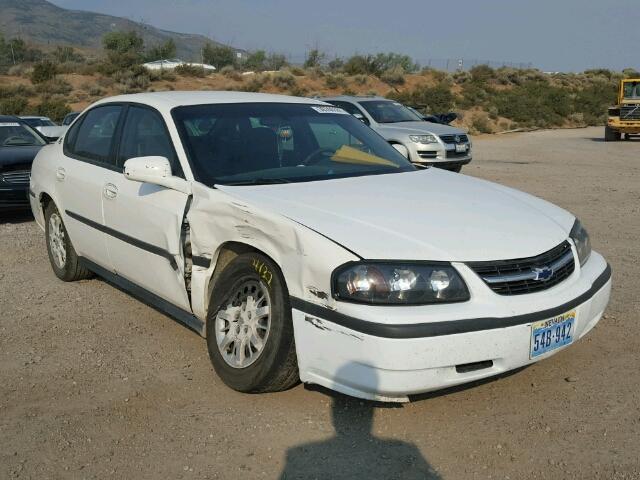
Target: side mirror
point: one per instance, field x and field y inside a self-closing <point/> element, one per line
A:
<point x="402" y="149"/>
<point x="362" y="118"/>
<point x="154" y="170"/>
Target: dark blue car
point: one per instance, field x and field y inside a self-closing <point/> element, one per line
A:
<point x="19" y="145"/>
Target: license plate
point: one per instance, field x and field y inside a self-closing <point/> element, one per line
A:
<point x="556" y="332"/>
<point x="461" y="148"/>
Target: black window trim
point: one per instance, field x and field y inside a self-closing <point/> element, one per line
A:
<point x="353" y="104"/>
<point x="92" y="161"/>
<point x="120" y="129"/>
<point x="114" y="151"/>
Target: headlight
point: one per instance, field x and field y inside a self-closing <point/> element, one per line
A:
<point x="581" y="239"/>
<point x="423" y="139"/>
<point x="386" y="283"/>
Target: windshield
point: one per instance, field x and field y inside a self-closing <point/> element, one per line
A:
<point x="14" y="134"/>
<point x="39" y="122"/>
<point x="258" y="143"/>
<point x="386" y="111"/>
<point x="70" y="118"/>
<point x="632" y="90"/>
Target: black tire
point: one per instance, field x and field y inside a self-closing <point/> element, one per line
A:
<point x="457" y="169"/>
<point x="70" y="270"/>
<point x="276" y="367"/>
<point x="610" y="135"/>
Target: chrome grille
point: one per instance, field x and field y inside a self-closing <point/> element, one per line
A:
<point x="527" y="275"/>
<point x="630" y="112"/>
<point x="18" y="177"/>
<point x="452" y="138"/>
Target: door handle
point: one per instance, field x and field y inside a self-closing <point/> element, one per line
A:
<point x="110" y="190"/>
<point x="60" y="174"/>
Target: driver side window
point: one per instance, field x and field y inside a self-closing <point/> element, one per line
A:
<point x="145" y="135"/>
<point x="331" y="136"/>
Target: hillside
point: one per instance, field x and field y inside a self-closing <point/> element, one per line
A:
<point x="44" y="23"/>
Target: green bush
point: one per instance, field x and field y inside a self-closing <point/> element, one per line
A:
<point x="434" y="99"/>
<point x="55" y="86"/>
<point x="535" y="104"/>
<point x="393" y="76"/>
<point x="124" y="50"/>
<point x="315" y="58"/>
<point x="334" y="81"/>
<point x="133" y="80"/>
<point x="256" y="83"/>
<point x="54" y="108"/>
<point x="13" y="105"/>
<point x="218" y="55"/>
<point x="284" y="80"/>
<point x="43" y="72"/>
<point x="480" y="123"/>
<point x="230" y="72"/>
<point x="190" y="71"/>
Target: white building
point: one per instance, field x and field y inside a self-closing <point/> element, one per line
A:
<point x="170" y="64"/>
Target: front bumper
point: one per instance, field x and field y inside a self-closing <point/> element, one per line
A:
<point x="15" y="197"/>
<point x="624" y="126"/>
<point x="439" y="154"/>
<point x="387" y="358"/>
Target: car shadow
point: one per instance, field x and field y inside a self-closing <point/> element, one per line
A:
<point x="602" y="140"/>
<point x="354" y="451"/>
<point x="16" y="216"/>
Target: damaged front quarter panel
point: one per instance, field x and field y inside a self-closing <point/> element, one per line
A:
<point x="218" y="220"/>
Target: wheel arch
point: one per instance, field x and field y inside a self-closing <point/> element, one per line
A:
<point x="224" y="256"/>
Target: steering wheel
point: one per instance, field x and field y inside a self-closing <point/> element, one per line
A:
<point x="317" y="153"/>
<point x="9" y="140"/>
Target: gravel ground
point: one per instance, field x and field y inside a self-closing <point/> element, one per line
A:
<point x="94" y="384"/>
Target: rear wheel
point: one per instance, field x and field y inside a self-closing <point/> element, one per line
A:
<point x="63" y="257"/>
<point x="610" y="135"/>
<point x="249" y="327"/>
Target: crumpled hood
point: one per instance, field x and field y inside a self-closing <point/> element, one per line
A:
<point x="422" y="215"/>
<point x="417" y="128"/>
<point x="18" y="155"/>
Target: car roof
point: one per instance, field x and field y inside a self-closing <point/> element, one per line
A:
<point x="354" y="98"/>
<point x="9" y="118"/>
<point x="165" y="101"/>
<point x="33" y="117"/>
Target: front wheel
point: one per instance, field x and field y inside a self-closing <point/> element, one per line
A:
<point x="63" y="257"/>
<point x="610" y="135"/>
<point x="249" y="327"/>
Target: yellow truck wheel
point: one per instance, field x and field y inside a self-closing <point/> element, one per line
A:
<point x="611" y="135"/>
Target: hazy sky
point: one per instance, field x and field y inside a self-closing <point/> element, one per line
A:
<point x="556" y="35"/>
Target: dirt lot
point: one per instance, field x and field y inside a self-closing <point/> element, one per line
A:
<point x="94" y="384"/>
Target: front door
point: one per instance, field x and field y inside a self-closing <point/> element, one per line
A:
<point x="88" y="157"/>
<point x="144" y="221"/>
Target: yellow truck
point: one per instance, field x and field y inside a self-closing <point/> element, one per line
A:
<point x="624" y="118"/>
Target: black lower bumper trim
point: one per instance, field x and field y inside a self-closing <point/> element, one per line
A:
<point x="451" y="327"/>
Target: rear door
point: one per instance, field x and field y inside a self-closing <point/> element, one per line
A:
<point x="89" y="155"/>
<point x="144" y="220"/>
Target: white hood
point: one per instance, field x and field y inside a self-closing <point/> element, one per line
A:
<point x="418" y="128"/>
<point x="421" y="215"/>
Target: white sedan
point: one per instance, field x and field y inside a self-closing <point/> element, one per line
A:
<point x="304" y="247"/>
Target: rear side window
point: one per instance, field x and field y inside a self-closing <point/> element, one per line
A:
<point x="93" y="138"/>
<point x="145" y="134"/>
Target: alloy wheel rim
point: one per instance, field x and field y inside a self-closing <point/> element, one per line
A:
<point x="242" y="327"/>
<point x="57" y="240"/>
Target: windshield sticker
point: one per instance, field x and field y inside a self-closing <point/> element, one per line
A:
<point x="9" y="124"/>
<point x="328" y="109"/>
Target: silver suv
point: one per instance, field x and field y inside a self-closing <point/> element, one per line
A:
<point x="427" y="143"/>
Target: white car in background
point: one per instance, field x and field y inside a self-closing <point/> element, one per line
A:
<point x="45" y="126"/>
<point x="425" y="143"/>
<point x="280" y="228"/>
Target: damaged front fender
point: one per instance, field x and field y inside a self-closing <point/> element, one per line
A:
<point x="218" y="219"/>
